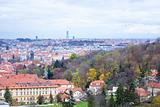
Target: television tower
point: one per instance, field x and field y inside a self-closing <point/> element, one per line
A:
<point x="67" y="34"/>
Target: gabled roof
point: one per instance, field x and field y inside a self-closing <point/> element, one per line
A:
<point x="153" y="84"/>
<point x="24" y="81"/>
<point x="141" y="92"/>
<point x="97" y="83"/>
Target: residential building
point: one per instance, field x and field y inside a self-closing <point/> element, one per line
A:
<point x="143" y="94"/>
<point x="112" y="91"/>
<point x="153" y="88"/>
<point x="25" y="88"/>
<point x="96" y="86"/>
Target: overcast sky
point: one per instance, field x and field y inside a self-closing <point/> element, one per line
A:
<point x="83" y="18"/>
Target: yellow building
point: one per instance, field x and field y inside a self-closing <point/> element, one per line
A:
<point x="25" y="88"/>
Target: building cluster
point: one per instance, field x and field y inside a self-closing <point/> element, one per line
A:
<point x="47" y="50"/>
<point x="25" y="88"/>
<point x="151" y="86"/>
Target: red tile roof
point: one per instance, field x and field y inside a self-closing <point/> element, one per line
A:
<point x="24" y="81"/>
<point x="61" y="82"/>
<point x="153" y="84"/>
<point x="6" y="68"/>
<point x="97" y="83"/>
<point x="141" y="92"/>
<point x="77" y="89"/>
<point x="153" y="73"/>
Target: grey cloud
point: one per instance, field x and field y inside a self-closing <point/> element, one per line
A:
<point x="89" y="17"/>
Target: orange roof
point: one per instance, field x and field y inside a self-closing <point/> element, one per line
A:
<point x="153" y="84"/>
<point x="97" y="83"/>
<point x="24" y="81"/>
<point x="61" y="82"/>
<point x="153" y="73"/>
<point x="77" y="89"/>
<point x="141" y="92"/>
<point x="6" y="67"/>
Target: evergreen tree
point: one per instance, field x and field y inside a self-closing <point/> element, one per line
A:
<point x="120" y="95"/>
<point x="8" y="96"/>
<point x="40" y="99"/>
<point x="57" y="64"/>
<point x="49" y="74"/>
<point x="90" y="99"/>
<point x="131" y="96"/>
<point x="50" y="98"/>
<point x="158" y="75"/>
<point x="111" y="101"/>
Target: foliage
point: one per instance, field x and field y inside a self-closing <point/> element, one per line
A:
<point x="124" y="96"/>
<point x="90" y="100"/>
<point x="50" y="98"/>
<point x="8" y="96"/>
<point x="58" y="64"/>
<point x="58" y="98"/>
<point x="49" y="74"/>
<point x="102" y="77"/>
<point x="92" y="74"/>
<point x="73" y="56"/>
<point x="76" y="78"/>
<point x="120" y="95"/>
<point x="111" y="101"/>
<point x="40" y="99"/>
<point x="156" y="100"/>
<point x="71" y="101"/>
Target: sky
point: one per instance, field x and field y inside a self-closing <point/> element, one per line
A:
<point x="82" y="18"/>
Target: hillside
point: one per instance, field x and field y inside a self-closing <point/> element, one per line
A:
<point x="119" y="66"/>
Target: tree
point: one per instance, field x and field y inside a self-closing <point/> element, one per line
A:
<point x="40" y="99"/>
<point x="57" y="64"/>
<point x="102" y="77"/>
<point x="8" y="96"/>
<point x="50" y="98"/>
<point x="90" y="99"/>
<point x="120" y="95"/>
<point x="111" y="101"/>
<point x="58" y="98"/>
<point x="76" y="78"/>
<point x="92" y="74"/>
<point x="73" y="56"/>
<point x="49" y="74"/>
<point x="131" y="96"/>
<point x="158" y="75"/>
<point x="156" y="100"/>
<point x="71" y="101"/>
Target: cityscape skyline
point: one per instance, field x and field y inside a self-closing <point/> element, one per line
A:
<point x="83" y="19"/>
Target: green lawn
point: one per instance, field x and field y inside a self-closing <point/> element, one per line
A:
<point x="81" y="104"/>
